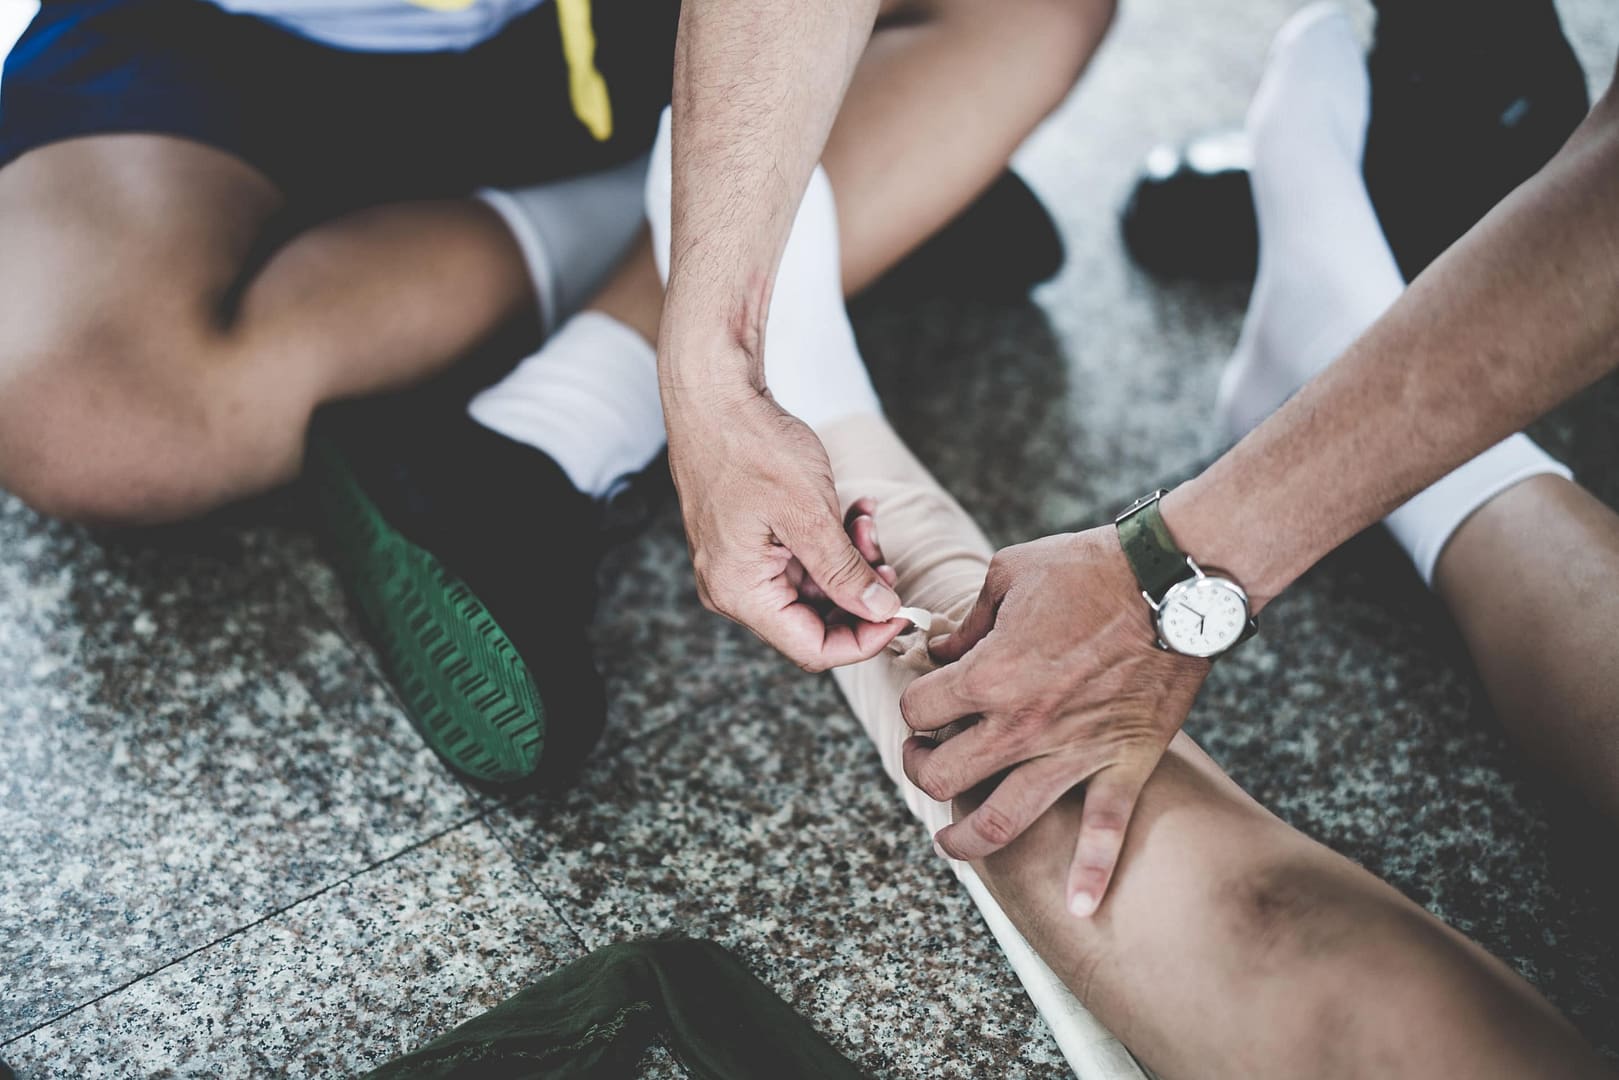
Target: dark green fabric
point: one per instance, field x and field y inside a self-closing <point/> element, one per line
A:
<point x="596" y="1016"/>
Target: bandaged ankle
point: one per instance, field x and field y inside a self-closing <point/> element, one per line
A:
<point x="941" y="558"/>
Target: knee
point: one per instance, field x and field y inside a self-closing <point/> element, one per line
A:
<point x="1292" y="912"/>
<point x="102" y="437"/>
<point x="1047" y="42"/>
<point x="1059" y="38"/>
<point x="1340" y="947"/>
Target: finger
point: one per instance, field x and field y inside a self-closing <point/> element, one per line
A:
<point x="860" y="522"/>
<point x="804" y="635"/>
<point x="979" y="622"/>
<point x="836" y="616"/>
<point x="945" y="769"/>
<point x="863" y="531"/>
<point x="1110" y="799"/>
<point x="865" y="506"/>
<point x="1021" y="797"/>
<point x="830" y="558"/>
<point x="938" y="698"/>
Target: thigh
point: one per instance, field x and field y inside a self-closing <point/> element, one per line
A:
<point x="121" y="257"/>
<point x="116" y="226"/>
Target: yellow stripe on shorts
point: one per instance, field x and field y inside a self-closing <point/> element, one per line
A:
<point x="587" y="89"/>
<point x="586" y="86"/>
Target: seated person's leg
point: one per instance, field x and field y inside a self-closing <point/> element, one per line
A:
<point x="156" y="357"/>
<point x="1529" y="578"/>
<point x="1232" y="945"/>
<point x="113" y="393"/>
<point x="1229" y="945"/>
<point x="164" y="341"/>
<point x="1520" y="553"/>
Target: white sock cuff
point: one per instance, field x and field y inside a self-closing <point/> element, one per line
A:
<point x="540" y="271"/>
<point x="660" y="193"/>
<point x="812" y="361"/>
<point x="1425" y="525"/>
<point x="589" y="398"/>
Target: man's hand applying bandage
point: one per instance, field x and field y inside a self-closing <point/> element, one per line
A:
<point x="768" y="545"/>
<point x="1058" y="661"/>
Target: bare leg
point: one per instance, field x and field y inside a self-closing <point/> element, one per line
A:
<point x="142" y="378"/>
<point x="1230" y="944"/>
<point x="172" y="373"/>
<point x="1529" y="578"/>
<point x="946" y="91"/>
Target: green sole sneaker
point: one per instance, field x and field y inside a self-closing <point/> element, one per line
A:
<point x="463" y="682"/>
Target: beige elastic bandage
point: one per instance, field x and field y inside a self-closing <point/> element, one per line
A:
<point x="941" y="558"/>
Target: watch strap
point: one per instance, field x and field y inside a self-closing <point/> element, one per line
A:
<point x="1157" y="562"/>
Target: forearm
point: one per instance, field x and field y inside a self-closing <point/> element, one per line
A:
<point x="1519" y="316"/>
<point x="757" y="86"/>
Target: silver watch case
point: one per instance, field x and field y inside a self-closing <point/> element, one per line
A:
<point x="1199" y="582"/>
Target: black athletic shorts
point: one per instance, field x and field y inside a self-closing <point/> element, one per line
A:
<point x="334" y="127"/>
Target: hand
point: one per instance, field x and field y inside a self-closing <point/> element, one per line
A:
<point x="1060" y="661"/>
<point x="769" y="547"/>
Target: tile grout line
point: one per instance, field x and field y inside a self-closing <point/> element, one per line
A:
<point x="283" y="909"/>
<point x="522" y="868"/>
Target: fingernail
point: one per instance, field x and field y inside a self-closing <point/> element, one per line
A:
<point x="1082" y="906"/>
<point x="880" y="600"/>
<point x="936" y="641"/>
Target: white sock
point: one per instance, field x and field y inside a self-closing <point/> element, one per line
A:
<point x="812" y="364"/>
<point x="573" y="233"/>
<point x="1424" y="525"/>
<point x="1325" y="270"/>
<point x="588" y="398"/>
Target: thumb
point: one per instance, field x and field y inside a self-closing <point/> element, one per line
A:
<point x="848" y="580"/>
<point x="980" y="621"/>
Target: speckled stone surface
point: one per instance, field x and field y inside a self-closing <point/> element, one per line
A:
<point x="188" y="746"/>
<point x="765" y="822"/>
<point x="227" y="852"/>
<point x="338" y="983"/>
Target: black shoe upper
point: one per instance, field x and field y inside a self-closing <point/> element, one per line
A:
<point x="1469" y="99"/>
<point x="504" y="518"/>
<point x="1001" y="246"/>
<point x="1468" y="102"/>
<point x="1191" y="213"/>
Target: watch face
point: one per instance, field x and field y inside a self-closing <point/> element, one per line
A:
<point x="1203" y="616"/>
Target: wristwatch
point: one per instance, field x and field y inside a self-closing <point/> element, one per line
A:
<point x="1197" y="613"/>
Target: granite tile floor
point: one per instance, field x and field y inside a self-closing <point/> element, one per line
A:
<point x="227" y="853"/>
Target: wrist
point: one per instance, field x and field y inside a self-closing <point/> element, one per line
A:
<point x="1222" y="530"/>
<point x="706" y="371"/>
<point x="712" y="331"/>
